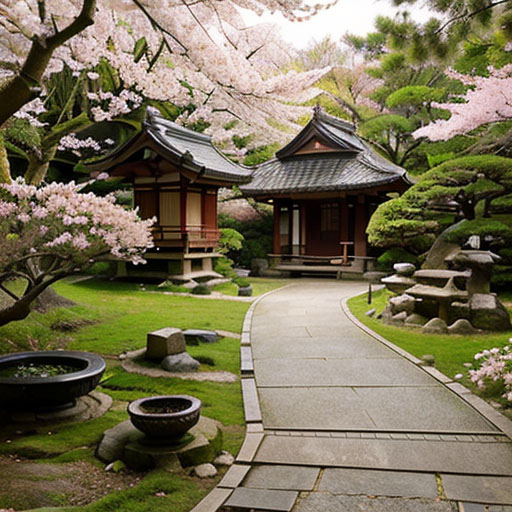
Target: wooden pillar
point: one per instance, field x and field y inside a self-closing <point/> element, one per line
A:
<point x="277" y="234"/>
<point x="344" y="221"/>
<point x="183" y="211"/>
<point x="360" y="227"/>
<point x="302" y="228"/>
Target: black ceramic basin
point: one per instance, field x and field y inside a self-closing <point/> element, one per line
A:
<point x="166" y="416"/>
<point x="40" y="392"/>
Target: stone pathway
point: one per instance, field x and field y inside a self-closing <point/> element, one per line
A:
<point x="345" y="423"/>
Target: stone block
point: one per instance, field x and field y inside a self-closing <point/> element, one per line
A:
<point x="461" y="326"/>
<point x="435" y="326"/>
<point x="180" y="363"/>
<point x="459" y="310"/>
<point x="402" y="303"/>
<point x="194" y="336"/>
<point x="400" y="317"/>
<point x="404" y="269"/>
<point x="488" y="313"/>
<point x="415" y="319"/>
<point x="165" y="342"/>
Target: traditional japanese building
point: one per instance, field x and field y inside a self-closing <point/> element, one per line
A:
<point x="324" y="186"/>
<point x="176" y="174"/>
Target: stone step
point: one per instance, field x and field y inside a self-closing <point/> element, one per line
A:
<point x="260" y="499"/>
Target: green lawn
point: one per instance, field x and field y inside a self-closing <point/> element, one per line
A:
<point x="450" y="351"/>
<point x="111" y="317"/>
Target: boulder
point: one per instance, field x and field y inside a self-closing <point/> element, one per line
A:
<point x="415" y="319"/>
<point x="402" y="303"/>
<point x="165" y="342"/>
<point x="190" y="285"/>
<point x="371" y="312"/>
<point x="435" y="326"/>
<point x="386" y="315"/>
<point x="205" y="471"/>
<point x="400" y="317"/>
<point x="180" y="363"/>
<point x="461" y="326"/>
<point x="488" y="313"/>
<point x="404" y="269"/>
<point x="459" y="310"/>
<point x="194" y="336"/>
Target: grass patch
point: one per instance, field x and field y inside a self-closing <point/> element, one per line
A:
<point x="450" y="351"/>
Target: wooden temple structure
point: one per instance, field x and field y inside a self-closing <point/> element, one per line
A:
<point x="324" y="186"/>
<point x="176" y="174"/>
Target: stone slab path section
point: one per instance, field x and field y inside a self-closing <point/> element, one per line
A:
<point x="346" y="423"/>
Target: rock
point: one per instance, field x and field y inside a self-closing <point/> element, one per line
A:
<point x="442" y="249"/>
<point x="386" y="315"/>
<point x="371" y="312"/>
<point x="245" y="291"/>
<point x="111" y="446"/>
<point x="258" y="266"/>
<point x="488" y="313"/>
<point x="205" y="471"/>
<point x="224" y="459"/>
<point x="181" y="363"/>
<point x="214" y="282"/>
<point x="165" y="342"/>
<point x="122" y="356"/>
<point x="404" y="269"/>
<point x="109" y="467"/>
<point x="194" y="336"/>
<point x="428" y="360"/>
<point x="190" y="285"/>
<point x="461" y="326"/>
<point x="459" y="310"/>
<point x="415" y="319"/>
<point x="400" y="317"/>
<point x="397" y="284"/>
<point x="435" y="326"/>
<point x="402" y="303"/>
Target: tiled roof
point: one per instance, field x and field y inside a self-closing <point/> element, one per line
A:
<point x="353" y="164"/>
<point x="181" y="146"/>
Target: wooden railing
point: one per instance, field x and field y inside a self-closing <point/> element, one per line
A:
<point x="198" y="235"/>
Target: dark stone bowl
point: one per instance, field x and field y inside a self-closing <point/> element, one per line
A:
<point x="54" y="391"/>
<point x="167" y="416"/>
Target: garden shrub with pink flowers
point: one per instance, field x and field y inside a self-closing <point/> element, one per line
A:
<point x="493" y="371"/>
<point x="52" y="231"/>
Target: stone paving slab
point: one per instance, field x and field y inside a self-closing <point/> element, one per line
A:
<point x="312" y="408"/>
<point x="485" y="489"/>
<point x="400" y="455"/>
<point x="378" y="483"/>
<point x="346" y="348"/>
<point x="325" y="502"/>
<point x="234" y="475"/>
<point x="259" y="499"/>
<point x="339" y="372"/>
<point x="292" y="478"/>
<point x="429" y="408"/>
<point x="478" y="507"/>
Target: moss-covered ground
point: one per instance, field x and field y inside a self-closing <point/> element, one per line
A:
<point x="112" y="317"/>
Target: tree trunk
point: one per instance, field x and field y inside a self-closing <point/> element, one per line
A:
<point x="38" y="167"/>
<point x="5" y="174"/>
<point x="16" y="311"/>
<point x="49" y="300"/>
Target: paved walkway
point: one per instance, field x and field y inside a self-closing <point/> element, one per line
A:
<point x="351" y="425"/>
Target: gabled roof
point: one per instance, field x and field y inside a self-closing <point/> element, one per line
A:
<point x="349" y="163"/>
<point x="185" y="148"/>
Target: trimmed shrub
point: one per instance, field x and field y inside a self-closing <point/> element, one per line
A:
<point x="395" y="255"/>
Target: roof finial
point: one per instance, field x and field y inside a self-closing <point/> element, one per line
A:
<point x="317" y="110"/>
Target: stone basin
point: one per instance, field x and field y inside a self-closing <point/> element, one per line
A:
<point x="37" y="393"/>
<point x="166" y="416"/>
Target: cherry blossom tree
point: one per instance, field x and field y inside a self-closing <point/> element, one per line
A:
<point x="198" y="55"/>
<point x="49" y="232"/>
<point x="487" y="100"/>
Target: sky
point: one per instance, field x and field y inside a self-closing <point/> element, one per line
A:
<point x="354" y="16"/>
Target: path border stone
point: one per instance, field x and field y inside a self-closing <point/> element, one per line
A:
<point x="487" y="411"/>
<point x="254" y="426"/>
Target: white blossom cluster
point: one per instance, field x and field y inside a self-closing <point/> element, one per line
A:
<point x="197" y="52"/>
